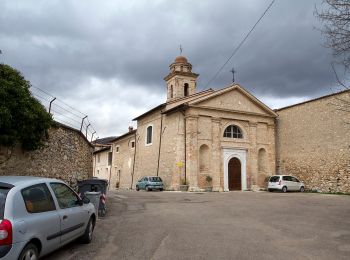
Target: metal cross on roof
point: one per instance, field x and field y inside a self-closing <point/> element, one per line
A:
<point x="233" y="74"/>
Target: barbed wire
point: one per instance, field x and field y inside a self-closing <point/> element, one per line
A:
<point x="64" y="113"/>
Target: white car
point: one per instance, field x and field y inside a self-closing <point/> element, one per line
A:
<point x="39" y="215"/>
<point x="285" y="183"/>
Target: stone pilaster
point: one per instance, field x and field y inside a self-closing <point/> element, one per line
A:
<point x="179" y="168"/>
<point x="272" y="149"/>
<point x="192" y="152"/>
<point x="253" y="156"/>
<point x="216" y="154"/>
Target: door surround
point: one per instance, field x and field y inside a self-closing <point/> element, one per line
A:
<point x="240" y="154"/>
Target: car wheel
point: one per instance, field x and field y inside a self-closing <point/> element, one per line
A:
<point x="302" y="189"/>
<point x="284" y="189"/>
<point x="87" y="237"/>
<point x="30" y="252"/>
<point x="161" y="189"/>
<point x="137" y="188"/>
<point x="270" y="190"/>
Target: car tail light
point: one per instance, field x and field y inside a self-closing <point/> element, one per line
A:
<point x="5" y="232"/>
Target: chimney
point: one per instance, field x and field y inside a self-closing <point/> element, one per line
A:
<point x="130" y="128"/>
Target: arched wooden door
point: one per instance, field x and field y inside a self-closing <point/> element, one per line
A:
<point x="234" y="174"/>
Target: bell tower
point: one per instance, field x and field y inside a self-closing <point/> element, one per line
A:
<point x="181" y="81"/>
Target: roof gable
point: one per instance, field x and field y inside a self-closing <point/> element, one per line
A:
<point x="234" y="98"/>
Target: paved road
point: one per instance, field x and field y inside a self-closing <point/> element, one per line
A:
<point x="234" y="225"/>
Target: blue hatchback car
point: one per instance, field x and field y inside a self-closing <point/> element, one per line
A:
<point x="150" y="183"/>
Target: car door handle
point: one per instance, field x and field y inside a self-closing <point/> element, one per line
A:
<point x="65" y="217"/>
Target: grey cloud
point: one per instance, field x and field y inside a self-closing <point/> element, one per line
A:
<point x="62" y="45"/>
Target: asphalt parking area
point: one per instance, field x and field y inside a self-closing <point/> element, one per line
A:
<point x="233" y="225"/>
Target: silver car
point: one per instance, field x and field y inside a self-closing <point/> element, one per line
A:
<point x="39" y="215"/>
<point x="285" y="183"/>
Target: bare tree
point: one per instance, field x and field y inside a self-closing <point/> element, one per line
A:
<point x="335" y="17"/>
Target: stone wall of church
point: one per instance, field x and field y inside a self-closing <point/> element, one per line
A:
<point x="66" y="155"/>
<point x="172" y="155"/>
<point x="146" y="160"/>
<point x="313" y="143"/>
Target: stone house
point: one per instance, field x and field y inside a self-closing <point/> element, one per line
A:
<point x="102" y="163"/>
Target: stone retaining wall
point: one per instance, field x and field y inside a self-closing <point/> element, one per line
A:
<point x="66" y="155"/>
<point x="313" y="143"/>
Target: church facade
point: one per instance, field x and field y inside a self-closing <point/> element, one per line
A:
<point x="226" y="134"/>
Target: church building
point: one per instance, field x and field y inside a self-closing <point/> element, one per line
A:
<point x="231" y="136"/>
<point x="226" y="134"/>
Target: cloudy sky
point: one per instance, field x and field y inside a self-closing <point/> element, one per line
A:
<point x="107" y="59"/>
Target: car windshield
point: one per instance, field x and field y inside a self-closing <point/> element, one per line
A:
<point x="155" y="179"/>
<point x="274" y="178"/>
<point x="3" y="195"/>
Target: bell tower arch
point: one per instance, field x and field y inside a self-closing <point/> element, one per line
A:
<point x="180" y="81"/>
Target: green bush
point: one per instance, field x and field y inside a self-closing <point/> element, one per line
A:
<point x="22" y="118"/>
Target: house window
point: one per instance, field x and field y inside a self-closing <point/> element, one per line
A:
<point x="233" y="131"/>
<point x="132" y="144"/>
<point x="117" y="149"/>
<point x="149" y="135"/>
<point x="98" y="171"/>
<point x="171" y="91"/>
<point x="110" y="158"/>
<point x="98" y="158"/>
<point x="186" y="89"/>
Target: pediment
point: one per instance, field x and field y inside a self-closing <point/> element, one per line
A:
<point x="234" y="98"/>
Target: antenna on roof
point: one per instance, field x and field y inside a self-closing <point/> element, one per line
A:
<point x="180" y="49"/>
<point x="233" y="74"/>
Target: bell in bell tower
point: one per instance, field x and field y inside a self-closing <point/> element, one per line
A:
<point x="181" y="81"/>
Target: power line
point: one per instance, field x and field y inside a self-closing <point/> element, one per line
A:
<point x="239" y="45"/>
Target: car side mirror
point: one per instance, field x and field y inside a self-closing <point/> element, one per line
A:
<point x="86" y="200"/>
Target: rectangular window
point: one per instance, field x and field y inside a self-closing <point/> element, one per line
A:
<point x="65" y="196"/>
<point x="37" y="198"/>
<point x="133" y="144"/>
<point x="98" y="158"/>
<point x="155" y="179"/>
<point x="110" y="158"/>
<point x="98" y="171"/>
<point x="3" y="195"/>
<point x="149" y="135"/>
<point x="117" y="149"/>
<point x="274" y="179"/>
